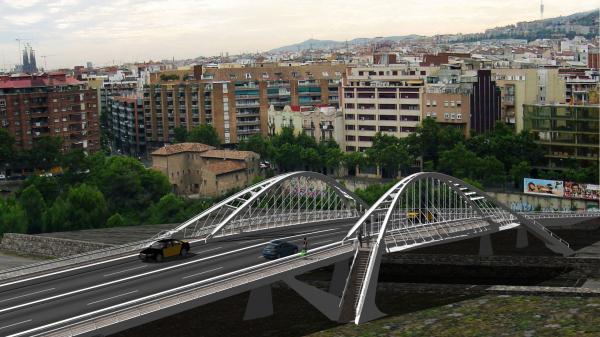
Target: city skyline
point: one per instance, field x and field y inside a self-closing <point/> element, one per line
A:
<point x="71" y="32"/>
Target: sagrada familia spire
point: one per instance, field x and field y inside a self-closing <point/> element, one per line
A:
<point x="29" y="62"/>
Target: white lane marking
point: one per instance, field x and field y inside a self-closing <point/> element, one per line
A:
<point x="113" y="297"/>
<point x="209" y="250"/>
<point x="73" y="292"/>
<point x="245" y="242"/>
<point x="260" y="256"/>
<point x="76" y="268"/>
<point x="8" y="326"/>
<point x="37" y="292"/>
<point x="124" y="271"/>
<point x="204" y="272"/>
<point x="124" y="304"/>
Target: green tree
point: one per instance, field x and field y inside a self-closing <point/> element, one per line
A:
<point x="33" y="203"/>
<point x="166" y="210"/>
<point x="520" y="171"/>
<point x="389" y="153"/>
<point x="373" y="192"/>
<point x="88" y="208"/>
<point x="458" y="162"/>
<point x="47" y="186"/>
<point x="430" y="139"/>
<point x="181" y="134"/>
<point x="45" y="153"/>
<point x="352" y="160"/>
<point x="56" y="218"/>
<point x="204" y="134"/>
<point x="489" y="170"/>
<point x="255" y="143"/>
<point x="7" y="151"/>
<point x="13" y="218"/>
<point x="115" y="220"/>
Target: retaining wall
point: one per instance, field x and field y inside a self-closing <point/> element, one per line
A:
<point x="47" y="246"/>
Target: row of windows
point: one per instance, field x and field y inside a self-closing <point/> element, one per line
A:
<point x="447" y="115"/>
<point x="446" y="103"/>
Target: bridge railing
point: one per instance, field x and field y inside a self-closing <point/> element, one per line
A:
<point x="190" y="292"/>
<point x="72" y="260"/>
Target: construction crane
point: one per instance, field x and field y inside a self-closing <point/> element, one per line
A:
<point x="44" y="57"/>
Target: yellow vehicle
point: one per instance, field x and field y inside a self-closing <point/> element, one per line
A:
<point x="165" y="248"/>
<point x="417" y="215"/>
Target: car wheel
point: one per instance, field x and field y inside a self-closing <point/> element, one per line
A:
<point x="184" y="252"/>
<point x="159" y="257"/>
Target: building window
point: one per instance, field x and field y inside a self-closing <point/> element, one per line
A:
<point x="446" y="103"/>
<point x="446" y="115"/>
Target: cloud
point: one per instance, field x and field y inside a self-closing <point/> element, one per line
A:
<point x="23" y="19"/>
<point x="19" y="4"/>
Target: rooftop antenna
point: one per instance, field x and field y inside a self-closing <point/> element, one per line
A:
<point x="46" y="65"/>
<point x="542" y="9"/>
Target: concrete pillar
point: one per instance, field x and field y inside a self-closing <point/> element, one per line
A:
<point x="522" y="240"/>
<point x="260" y="303"/>
<point x="485" y="246"/>
<point x="341" y="270"/>
<point x="326" y="303"/>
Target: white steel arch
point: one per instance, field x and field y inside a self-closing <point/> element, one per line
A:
<point x="288" y="199"/>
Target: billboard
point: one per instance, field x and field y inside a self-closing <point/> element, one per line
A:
<point x="552" y="188"/>
<point x="581" y="191"/>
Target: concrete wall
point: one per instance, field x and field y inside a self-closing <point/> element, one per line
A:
<point x="46" y="246"/>
<point x="526" y="202"/>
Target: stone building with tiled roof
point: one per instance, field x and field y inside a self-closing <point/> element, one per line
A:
<point x="200" y="170"/>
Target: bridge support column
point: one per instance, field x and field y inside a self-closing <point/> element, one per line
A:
<point x="326" y="303"/>
<point x="485" y="246"/>
<point x="260" y="303"/>
<point x="338" y="279"/>
<point x="522" y="240"/>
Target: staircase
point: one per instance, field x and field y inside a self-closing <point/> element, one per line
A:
<point x="354" y="285"/>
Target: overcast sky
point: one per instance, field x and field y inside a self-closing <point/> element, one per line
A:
<point x="71" y="32"/>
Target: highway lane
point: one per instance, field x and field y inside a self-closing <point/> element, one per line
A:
<point x="41" y="301"/>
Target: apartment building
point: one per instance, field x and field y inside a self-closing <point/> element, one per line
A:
<point x="567" y="132"/>
<point x="125" y="123"/>
<point x="50" y="104"/>
<point x="485" y="101"/>
<point x="384" y="99"/>
<point x="449" y="106"/>
<point x="236" y="100"/>
<point x="581" y="85"/>
<point x="321" y="123"/>
<point x="527" y="86"/>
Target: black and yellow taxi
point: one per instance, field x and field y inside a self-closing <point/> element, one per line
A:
<point x="165" y="248"/>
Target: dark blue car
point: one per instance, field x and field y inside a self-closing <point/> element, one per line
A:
<point x="278" y="248"/>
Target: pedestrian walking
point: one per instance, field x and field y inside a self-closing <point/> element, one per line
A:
<point x="359" y="235"/>
<point x="305" y="243"/>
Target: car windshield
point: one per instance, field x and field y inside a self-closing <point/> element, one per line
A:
<point x="157" y="244"/>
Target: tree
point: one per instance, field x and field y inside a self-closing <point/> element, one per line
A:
<point x="88" y="208"/>
<point x="166" y="210"/>
<point x="180" y="134"/>
<point x="7" y="152"/>
<point x="204" y="134"/>
<point x="45" y="153"/>
<point x="47" y="186"/>
<point x="13" y="218"/>
<point x="255" y="143"/>
<point x="520" y="171"/>
<point x="56" y="217"/>
<point x="489" y="170"/>
<point x="430" y="139"/>
<point x="33" y="203"/>
<point x="389" y="153"/>
<point x="352" y="160"/>
<point x="115" y="220"/>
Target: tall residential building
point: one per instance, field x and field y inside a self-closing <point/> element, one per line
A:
<point x="581" y="85"/>
<point x="235" y="100"/>
<point x="384" y="99"/>
<point x="567" y="132"/>
<point x="32" y="106"/>
<point x="321" y="123"/>
<point x="125" y="119"/>
<point x="448" y="106"/>
<point x="527" y="86"/>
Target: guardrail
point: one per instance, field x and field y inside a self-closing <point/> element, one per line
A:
<point x="71" y="260"/>
<point x="136" y="308"/>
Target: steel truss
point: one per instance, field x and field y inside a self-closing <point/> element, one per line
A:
<point x="285" y="200"/>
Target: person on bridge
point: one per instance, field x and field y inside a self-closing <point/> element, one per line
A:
<point x="305" y="243"/>
<point x="359" y="235"/>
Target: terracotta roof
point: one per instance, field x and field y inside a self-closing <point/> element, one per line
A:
<point x="182" y="147"/>
<point x="225" y="166"/>
<point x="228" y="154"/>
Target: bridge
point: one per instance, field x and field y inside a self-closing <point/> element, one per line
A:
<point x="103" y="292"/>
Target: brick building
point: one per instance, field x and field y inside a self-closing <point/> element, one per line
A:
<point x="125" y="119"/>
<point x="235" y="100"/>
<point x="32" y="106"/>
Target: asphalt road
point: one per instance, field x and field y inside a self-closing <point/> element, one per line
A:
<point x="35" y="302"/>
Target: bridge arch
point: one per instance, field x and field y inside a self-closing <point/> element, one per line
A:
<point x="288" y="199"/>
